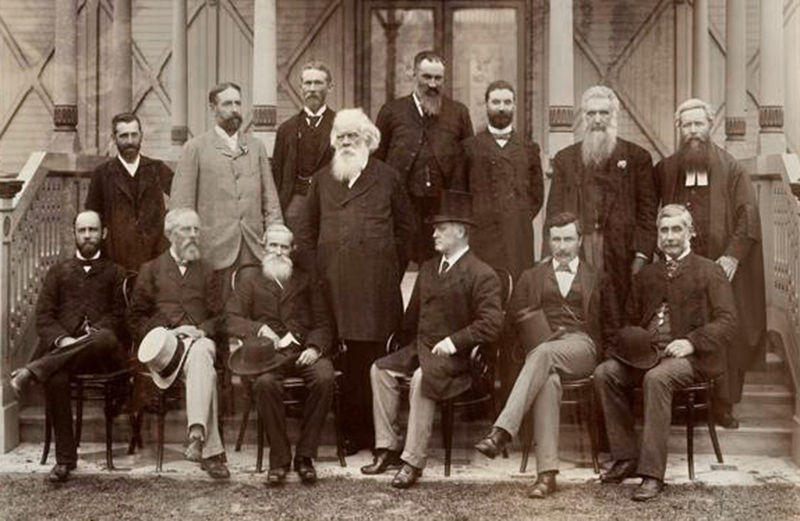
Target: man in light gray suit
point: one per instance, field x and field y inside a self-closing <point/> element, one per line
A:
<point x="224" y="175"/>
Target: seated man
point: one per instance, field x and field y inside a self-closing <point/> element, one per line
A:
<point x="178" y="291"/>
<point x="568" y="293"/>
<point x="280" y="302"/>
<point x="679" y="317"/>
<point x="454" y="307"/>
<point x="79" y="315"/>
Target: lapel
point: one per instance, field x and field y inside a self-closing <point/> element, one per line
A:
<point x="119" y="177"/>
<point x="170" y="268"/>
<point x="325" y="144"/>
<point x="618" y="164"/>
<point x="717" y="194"/>
<point x="588" y="279"/>
<point x="242" y="147"/>
<point x="452" y="276"/>
<point x="362" y="184"/>
<point x="296" y="283"/>
<point x="411" y="110"/>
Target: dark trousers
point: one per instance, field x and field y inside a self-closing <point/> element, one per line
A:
<point x="614" y="382"/>
<point x="424" y="209"/>
<point x="268" y="388"/>
<point x="357" y="421"/>
<point x="98" y="352"/>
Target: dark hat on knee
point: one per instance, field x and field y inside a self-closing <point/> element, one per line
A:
<point x="635" y="348"/>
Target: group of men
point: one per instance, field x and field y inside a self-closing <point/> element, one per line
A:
<point x="334" y="222"/>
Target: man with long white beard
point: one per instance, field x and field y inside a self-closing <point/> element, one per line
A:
<point x="607" y="182"/>
<point x="279" y="310"/>
<point x="357" y="227"/>
<point x="421" y="139"/>
<point x="717" y="191"/>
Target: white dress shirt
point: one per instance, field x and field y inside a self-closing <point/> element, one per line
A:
<point x="231" y="141"/>
<point x="452" y="259"/>
<point x="565" y="278"/>
<point x="130" y="167"/>
<point x="505" y="132"/>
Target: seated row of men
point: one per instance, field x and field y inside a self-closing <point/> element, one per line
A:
<point x="677" y="320"/>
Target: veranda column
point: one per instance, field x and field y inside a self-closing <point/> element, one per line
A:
<point x="561" y="82"/>
<point x="121" y="63"/>
<point x="265" y="72"/>
<point x="179" y="117"/>
<point x="683" y="51"/>
<point x="701" y="64"/>
<point x="65" y="93"/>
<point x="771" y="139"/>
<point x="736" y="77"/>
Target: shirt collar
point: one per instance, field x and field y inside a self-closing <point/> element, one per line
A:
<point x="573" y="264"/>
<point x="319" y="113"/>
<point x="681" y="256"/>
<point x="81" y="257"/>
<point x="130" y="167"/>
<point x="418" y="103"/>
<point x="178" y="260"/>
<point x="231" y="141"/>
<point x="453" y="258"/>
<point x="502" y="131"/>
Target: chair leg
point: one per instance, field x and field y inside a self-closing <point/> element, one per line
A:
<point x="108" y="391"/>
<point x="79" y="415"/>
<point x="135" y="433"/>
<point x="593" y="431"/>
<point x="162" y="412"/>
<point x="260" y="444"/>
<point x="712" y="427"/>
<point x="248" y="401"/>
<point x="447" y="434"/>
<point x="337" y="419"/>
<point x="690" y="433"/>
<point x="48" y="431"/>
<point x="526" y="433"/>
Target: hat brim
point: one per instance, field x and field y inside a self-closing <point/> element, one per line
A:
<point x="437" y="219"/>
<point x="166" y="382"/>
<point x="240" y="367"/>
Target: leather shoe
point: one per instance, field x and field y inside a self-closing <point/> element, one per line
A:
<point x="544" y="486"/>
<point x="406" y="476"/>
<point x="194" y="450"/>
<point x="383" y="461"/>
<point x="277" y="476"/>
<point x="726" y="420"/>
<point x="216" y="467"/>
<point x="620" y="471"/>
<point x="494" y="443"/>
<point x="305" y="468"/>
<point x="649" y="489"/>
<point x="21" y="379"/>
<point x="60" y="472"/>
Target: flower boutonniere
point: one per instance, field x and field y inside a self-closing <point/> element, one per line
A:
<point x="622" y="163"/>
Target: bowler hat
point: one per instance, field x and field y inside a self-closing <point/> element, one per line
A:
<point x="635" y="348"/>
<point x="455" y="206"/>
<point x="163" y="353"/>
<point x="256" y="356"/>
<point x="533" y="328"/>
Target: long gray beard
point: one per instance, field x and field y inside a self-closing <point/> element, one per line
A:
<point x="345" y="167"/>
<point x="277" y="267"/>
<point x="431" y="104"/>
<point x="598" y="146"/>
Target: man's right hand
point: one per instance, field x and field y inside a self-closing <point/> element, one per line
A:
<point x="189" y="330"/>
<point x="65" y="341"/>
<point x="267" y="332"/>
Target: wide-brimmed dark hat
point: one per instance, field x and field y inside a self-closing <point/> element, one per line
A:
<point x="533" y="328"/>
<point x="455" y="206"/>
<point x="635" y="348"/>
<point x="255" y="356"/>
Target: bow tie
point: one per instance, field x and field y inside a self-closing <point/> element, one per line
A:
<point x="313" y="120"/>
<point x="504" y="136"/>
<point x="672" y="267"/>
<point x="563" y="267"/>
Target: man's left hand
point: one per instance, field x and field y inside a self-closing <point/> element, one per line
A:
<point x="444" y="347"/>
<point x="637" y="264"/>
<point x="729" y="265"/>
<point x="679" y="348"/>
<point x="309" y="356"/>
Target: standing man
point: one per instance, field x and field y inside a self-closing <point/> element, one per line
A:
<point x="358" y="225"/>
<point x="569" y="294"/>
<point x="79" y="315"/>
<point x="224" y="175"/>
<point x="303" y="145"/>
<point x="679" y="318"/>
<point x="608" y="183"/>
<point x="503" y="172"/>
<point x="176" y="302"/>
<point x="717" y="191"/>
<point x="454" y="307"/>
<point x="128" y="193"/>
<point x="421" y="137"/>
<point x="279" y="308"/>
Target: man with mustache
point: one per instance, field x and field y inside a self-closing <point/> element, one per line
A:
<point x="225" y="176"/>
<point x="568" y="292"/>
<point x="607" y="182"/>
<point x="79" y="316"/>
<point x="421" y="137"/>
<point x="358" y="225"/>
<point x="717" y="191"/>
<point x="302" y="144"/>
<point x="281" y="303"/>
<point x="180" y="292"/>
<point x="128" y="193"/>
<point x="679" y="318"/>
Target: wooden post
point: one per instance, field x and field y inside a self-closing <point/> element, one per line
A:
<point x="121" y="58"/>
<point x="771" y="139"/>
<point x="179" y="72"/>
<point x="701" y="48"/>
<point x="65" y="92"/>
<point x="265" y="72"/>
<point x="736" y="78"/>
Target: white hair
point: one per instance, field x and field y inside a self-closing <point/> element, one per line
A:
<point x="602" y="92"/>
<point x="173" y="216"/>
<point x="356" y="120"/>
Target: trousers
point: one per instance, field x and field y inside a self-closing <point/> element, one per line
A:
<point x="201" y="394"/>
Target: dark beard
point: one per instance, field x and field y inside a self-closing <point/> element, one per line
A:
<point x="694" y="156"/>
<point x="431" y="102"/>
<point x="88" y="249"/>
<point x="500" y="120"/>
<point x="231" y="125"/>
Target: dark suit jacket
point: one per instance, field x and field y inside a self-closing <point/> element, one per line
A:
<point x="700" y="305"/>
<point x="463" y="304"/>
<point x="163" y="297"/>
<point x="402" y="128"/>
<point x="602" y="320"/>
<point x="300" y="308"/>
<point x="359" y="237"/>
<point x="508" y="191"/>
<point x="135" y="221"/>
<point x="69" y="295"/>
<point x="628" y="225"/>
<point x="284" y="158"/>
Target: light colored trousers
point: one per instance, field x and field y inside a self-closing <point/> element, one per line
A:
<point x="201" y="394"/>
<point x="385" y="408"/>
<point x="538" y="385"/>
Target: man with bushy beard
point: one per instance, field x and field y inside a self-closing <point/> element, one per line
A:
<point x="180" y="292"/>
<point x="421" y="139"/>
<point x="717" y="191"/>
<point x="79" y="316"/>
<point x="280" y="303"/>
<point x="225" y="176"/>
<point x="607" y="182"/>
<point x="302" y="144"/>
<point x="128" y="193"/>
<point x="358" y="225"/>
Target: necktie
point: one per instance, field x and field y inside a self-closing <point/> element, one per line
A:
<point x="672" y="267"/>
<point x="445" y="267"/>
<point x="313" y="121"/>
<point x="563" y="266"/>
